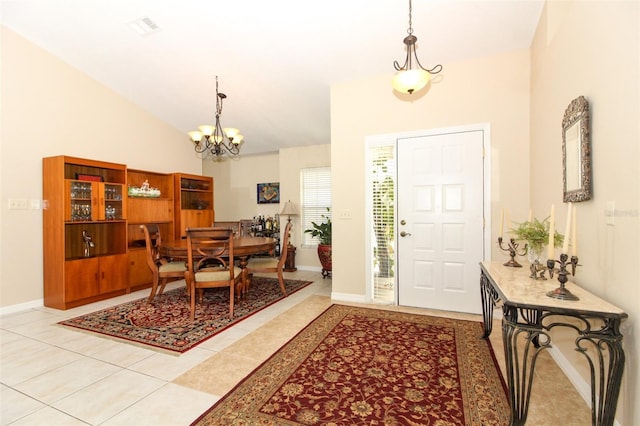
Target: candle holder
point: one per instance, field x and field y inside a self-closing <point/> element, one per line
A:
<point x="512" y="248"/>
<point x="561" y="292"/>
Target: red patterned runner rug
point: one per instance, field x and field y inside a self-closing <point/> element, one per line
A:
<point x="358" y="366"/>
<point x="165" y="323"/>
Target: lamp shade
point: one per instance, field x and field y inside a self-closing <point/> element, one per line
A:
<point x="195" y="136"/>
<point x="410" y="81"/>
<point x="206" y="129"/>
<point x="289" y="209"/>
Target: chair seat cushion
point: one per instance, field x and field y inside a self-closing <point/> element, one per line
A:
<point x="216" y="274"/>
<point x="263" y="263"/>
<point x="172" y="267"/>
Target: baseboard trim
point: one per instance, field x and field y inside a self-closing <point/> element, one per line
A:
<point x="348" y="297"/>
<point x="20" y="307"/>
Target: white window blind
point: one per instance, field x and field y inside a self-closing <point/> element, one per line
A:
<point x="382" y="177"/>
<point x="315" y="184"/>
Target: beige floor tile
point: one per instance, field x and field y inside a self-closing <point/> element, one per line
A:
<point x="16" y="405"/>
<point x="104" y="399"/>
<point x="50" y="417"/>
<point x="218" y="374"/>
<point x="121" y="354"/>
<point x="168" y="366"/>
<point x="170" y="405"/>
<point x="63" y="381"/>
<point x="39" y="362"/>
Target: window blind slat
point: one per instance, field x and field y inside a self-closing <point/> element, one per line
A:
<point x="315" y="184"/>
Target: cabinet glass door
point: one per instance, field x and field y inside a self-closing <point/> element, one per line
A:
<point x="79" y="206"/>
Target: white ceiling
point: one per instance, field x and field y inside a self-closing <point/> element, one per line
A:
<point x="276" y="60"/>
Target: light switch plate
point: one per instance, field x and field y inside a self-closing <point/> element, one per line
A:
<point x="610" y="213"/>
<point x="17" y="204"/>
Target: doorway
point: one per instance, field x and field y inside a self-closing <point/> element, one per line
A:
<point x="441" y="179"/>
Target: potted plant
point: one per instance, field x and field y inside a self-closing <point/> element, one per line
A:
<point x="322" y="231"/>
<point x="536" y="235"/>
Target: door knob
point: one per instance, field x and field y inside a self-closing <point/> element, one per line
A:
<point x="405" y="234"/>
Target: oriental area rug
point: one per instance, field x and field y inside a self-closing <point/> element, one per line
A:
<point x="165" y="323"/>
<point x="359" y="366"/>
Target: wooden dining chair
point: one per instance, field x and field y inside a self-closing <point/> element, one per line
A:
<point x="233" y="225"/>
<point x="163" y="269"/>
<point x="272" y="264"/>
<point x="211" y="263"/>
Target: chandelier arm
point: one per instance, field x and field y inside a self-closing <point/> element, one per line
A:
<point x="430" y="71"/>
<point x="202" y="146"/>
<point x="397" y="66"/>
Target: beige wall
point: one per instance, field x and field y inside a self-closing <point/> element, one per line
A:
<point x="50" y="108"/>
<point x="492" y="90"/>
<point x="593" y="49"/>
<point x="235" y="183"/>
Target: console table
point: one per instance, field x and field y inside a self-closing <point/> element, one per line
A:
<point x="528" y="312"/>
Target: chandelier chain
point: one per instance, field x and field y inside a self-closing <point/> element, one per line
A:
<point x="410" y="29"/>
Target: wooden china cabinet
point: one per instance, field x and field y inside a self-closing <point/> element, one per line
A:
<point x="84" y="229"/>
<point x="152" y="206"/>
<point x="193" y="202"/>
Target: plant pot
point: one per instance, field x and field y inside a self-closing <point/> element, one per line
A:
<point x="324" y="254"/>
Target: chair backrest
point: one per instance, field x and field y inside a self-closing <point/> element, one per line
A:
<point x="152" y="240"/>
<point x="285" y="244"/>
<point x="210" y="245"/>
<point x="233" y="225"/>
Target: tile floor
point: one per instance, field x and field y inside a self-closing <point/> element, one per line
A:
<point x="51" y="375"/>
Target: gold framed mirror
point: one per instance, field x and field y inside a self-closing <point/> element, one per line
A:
<point x="576" y="152"/>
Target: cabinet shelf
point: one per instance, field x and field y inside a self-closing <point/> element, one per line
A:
<point x="193" y="202"/>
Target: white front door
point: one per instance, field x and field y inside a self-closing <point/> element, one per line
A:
<point x="440" y="221"/>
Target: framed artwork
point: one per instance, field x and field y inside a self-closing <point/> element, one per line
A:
<point x="269" y="193"/>
<point x="92" y="178"/>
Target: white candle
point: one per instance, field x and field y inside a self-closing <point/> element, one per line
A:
<point x="508" y="223"/>
<point x="552" y="231"/>
<point x="530" y="216"/>
<point x="567" y="230"/>
<point x="501" y="222"/>
<point x="574" y="240"/>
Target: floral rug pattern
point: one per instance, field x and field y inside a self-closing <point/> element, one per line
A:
<point x="165" y="322"/>
<point x="358" y="366"/>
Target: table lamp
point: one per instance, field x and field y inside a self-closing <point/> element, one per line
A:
<point x="289" y="209"/>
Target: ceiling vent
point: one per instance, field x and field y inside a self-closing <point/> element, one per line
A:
<point x="144" y="26"/>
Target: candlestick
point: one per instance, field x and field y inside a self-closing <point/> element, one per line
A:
<point x="552" y="232"/>
<point x="512" y="248"/>
<point x="562" y="292"/>
<point x="567" y="231"/>
<point x="574" y="239"/>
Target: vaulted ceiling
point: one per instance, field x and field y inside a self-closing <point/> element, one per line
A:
<point x="276" y="60"/>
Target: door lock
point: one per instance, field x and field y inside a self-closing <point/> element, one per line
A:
<point x="405" y="234"/>
<point x="403" y="222"/>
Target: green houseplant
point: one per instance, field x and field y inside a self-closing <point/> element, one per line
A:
<point x="536" y="235"/>
<point x="322" y="231"/>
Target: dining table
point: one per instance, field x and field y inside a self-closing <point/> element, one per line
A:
<point x="243" y="248"/>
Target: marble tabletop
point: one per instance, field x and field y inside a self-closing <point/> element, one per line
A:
<point x="517" y="288"/>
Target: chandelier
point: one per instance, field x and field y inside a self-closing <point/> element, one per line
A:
<point x="209" y="139"/>
<point x="412" y="77"/>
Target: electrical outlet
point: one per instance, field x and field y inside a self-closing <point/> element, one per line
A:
<point x="18" y="204"/>
<point x="34" y="204"/>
